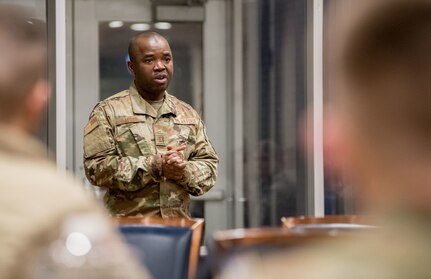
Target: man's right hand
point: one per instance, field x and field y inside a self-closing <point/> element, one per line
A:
<point x="173" y="163"/>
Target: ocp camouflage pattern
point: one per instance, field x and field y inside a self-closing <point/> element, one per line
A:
<point x="122" y="139"/>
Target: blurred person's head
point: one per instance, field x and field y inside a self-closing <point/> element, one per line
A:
<point x="24" y="90"/>
<point x="151" y="63"/>
<point x="383" y="106"/>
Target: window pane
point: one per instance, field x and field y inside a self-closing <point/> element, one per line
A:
<point x="275" y="101"/>
<point x="338" y="195"/>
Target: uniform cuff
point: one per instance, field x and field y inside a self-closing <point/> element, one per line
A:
<point x="186" y="176"/>
<point x="154" y="164"/>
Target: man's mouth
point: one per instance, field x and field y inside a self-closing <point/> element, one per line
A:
<point x="161" y="79"/>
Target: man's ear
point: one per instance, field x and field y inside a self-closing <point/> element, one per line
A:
<point x="344" y="150"/>
<point x="131" y="67"/>
<point x="36" y="104"/>
<point x="334" y="140"/>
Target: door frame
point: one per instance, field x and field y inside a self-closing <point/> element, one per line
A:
<point x="85" y="89"/>
<point x="77" y="89"/>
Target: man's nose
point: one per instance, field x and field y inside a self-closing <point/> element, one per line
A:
<point x="159" y="65"/>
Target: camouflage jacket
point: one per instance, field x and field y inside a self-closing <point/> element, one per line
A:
<point x="121" y="141"/>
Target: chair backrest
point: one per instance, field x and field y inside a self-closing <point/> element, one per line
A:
<point x="231" y="239"/>
<point x="169" y="248"/>
<point x="163" y="250"/>
<point x="341" y="222"/>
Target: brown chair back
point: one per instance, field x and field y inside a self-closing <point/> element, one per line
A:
<point x="230" y="239"/>
<point x="196" y="225"/>
<point x="292" y="222"/>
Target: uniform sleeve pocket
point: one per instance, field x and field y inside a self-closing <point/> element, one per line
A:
<point x="96" y="139"/>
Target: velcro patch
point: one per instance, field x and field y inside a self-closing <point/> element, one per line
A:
<point x="91" y="125"/>
<point x="128" y="119"/>
<point x="186" y="121"/>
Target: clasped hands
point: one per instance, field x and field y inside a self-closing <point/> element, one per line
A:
<point x="173" y="163"/>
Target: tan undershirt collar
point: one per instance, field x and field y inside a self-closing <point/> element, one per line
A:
<point x="156" y="104"/>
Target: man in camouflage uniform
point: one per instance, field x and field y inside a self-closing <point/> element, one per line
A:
<point x="147" y="147"/>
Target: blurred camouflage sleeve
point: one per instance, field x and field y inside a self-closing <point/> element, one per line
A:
<point x="85" y="245"/>
<point x="104" y="166"/>
<point x="201" y="171"/>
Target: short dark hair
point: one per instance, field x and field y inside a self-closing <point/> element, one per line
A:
<point x="145" y="34"/>
<point x="23" y="58"/>
<point x="394" y="33"/>
<point x="393" y="44"/>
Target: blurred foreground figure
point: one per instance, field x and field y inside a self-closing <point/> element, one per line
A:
<point x="49" y="228"/>
<point x="381" y="122"/>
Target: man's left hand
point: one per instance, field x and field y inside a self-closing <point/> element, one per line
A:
<point x="173" y="163"/>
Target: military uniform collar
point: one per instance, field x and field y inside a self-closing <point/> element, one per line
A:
<point x="141" y="106"/>
<point x="168" y="106"/>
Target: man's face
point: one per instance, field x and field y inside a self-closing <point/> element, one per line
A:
<point x="152" y="65"/>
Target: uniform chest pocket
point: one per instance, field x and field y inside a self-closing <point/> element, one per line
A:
<point x="133" y="141"/>
<point x="185" y="134"/>
<point x="96" y="139"/>
<point x="185" y="131"/>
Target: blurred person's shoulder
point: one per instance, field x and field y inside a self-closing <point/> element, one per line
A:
<point x="306" y="262"/>
<point x="35" y="198"/>
<point x="33" y="190"/>
<point x="382" y="255"/>
<point x="47" y="219"/>
<point x="29" y="176"/>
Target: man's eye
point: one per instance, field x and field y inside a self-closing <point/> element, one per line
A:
<point x="168" y="59"/>
<point x="148" y="61"/>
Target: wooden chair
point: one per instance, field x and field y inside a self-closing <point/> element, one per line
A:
<point x="327" y="222"/>
<point x="195" y="225"/>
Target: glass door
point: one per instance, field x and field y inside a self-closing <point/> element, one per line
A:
<point x="101" y="32"/>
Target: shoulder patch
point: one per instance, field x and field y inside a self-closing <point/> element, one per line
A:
<point x="91" y="125"/>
